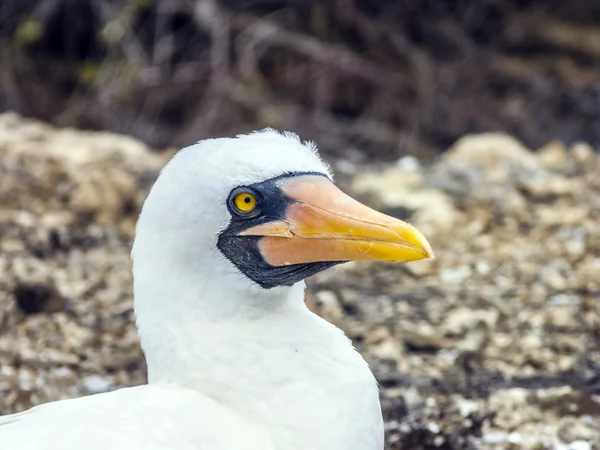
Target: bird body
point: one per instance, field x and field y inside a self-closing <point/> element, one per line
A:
<point x="247" y="404"/>
<point x="235" y="358"/>
<point x="151" y="417"/>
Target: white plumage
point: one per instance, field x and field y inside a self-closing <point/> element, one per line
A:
<point x="232" y="365"/>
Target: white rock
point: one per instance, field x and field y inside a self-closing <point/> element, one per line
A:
<point x="95" y="384"/>
<point x="467" y="407"/>
<point x="409" y="163"/>
<point x="514" y="438"/>
<point x="491" y="150"/>
<point x="454" y="276"/>
<point x="580" y="445"/>
<point x="495" y="437"/>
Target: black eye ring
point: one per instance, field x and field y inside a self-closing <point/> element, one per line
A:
<point x="248" y="191"/>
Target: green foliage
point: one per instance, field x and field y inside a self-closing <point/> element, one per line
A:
<point x="88" y="71"/>
<point x="28" y="32"/>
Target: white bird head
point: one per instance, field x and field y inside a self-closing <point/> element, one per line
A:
<point x="225" y="238"/>
<point x="261" y="210"/>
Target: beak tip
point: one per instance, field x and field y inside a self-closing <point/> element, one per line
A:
<point x="422" y="243"/>
<point x="429" y="253"/>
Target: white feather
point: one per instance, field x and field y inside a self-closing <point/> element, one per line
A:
<point x="231" y="365"/>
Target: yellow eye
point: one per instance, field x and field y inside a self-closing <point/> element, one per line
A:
<point x="245" y="202"/>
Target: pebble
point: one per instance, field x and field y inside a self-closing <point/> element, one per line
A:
<point x="409" y="164"/>
<point x="94" y="384"/>
<point x="580" y="445"/>
<point x="468" y="407"/>
<point x="454" y="276"/>
<point x="329" y="305"/>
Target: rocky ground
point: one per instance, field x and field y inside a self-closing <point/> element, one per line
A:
<point x="492" y="345"/>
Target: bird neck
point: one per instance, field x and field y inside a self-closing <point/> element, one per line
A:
<point x="198" y="325"/>
<point x="260" y="353"/>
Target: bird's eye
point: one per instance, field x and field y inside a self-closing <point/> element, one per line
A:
<point x="244" y="202"/>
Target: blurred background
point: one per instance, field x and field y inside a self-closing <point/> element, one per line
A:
<point x="385" y="77"/>
<point x="478" y="121"/>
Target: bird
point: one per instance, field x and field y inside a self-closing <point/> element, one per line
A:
<point x="236" y="360"/>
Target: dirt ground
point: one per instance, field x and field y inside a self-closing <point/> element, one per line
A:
<point x="492" y="345"/>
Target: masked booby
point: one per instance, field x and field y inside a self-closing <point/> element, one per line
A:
<point x="235" y="359"/>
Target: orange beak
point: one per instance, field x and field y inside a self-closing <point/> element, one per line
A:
<point x="324" y="224"/>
